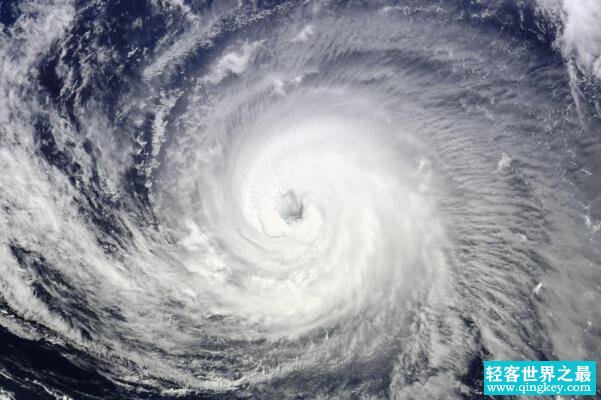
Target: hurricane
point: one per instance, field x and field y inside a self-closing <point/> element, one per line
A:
<point x="295" y="199"/>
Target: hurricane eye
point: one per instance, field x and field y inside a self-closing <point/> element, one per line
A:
<point x="291" y="206"/>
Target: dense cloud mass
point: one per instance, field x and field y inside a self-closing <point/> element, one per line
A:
<point x="318" y="199"/>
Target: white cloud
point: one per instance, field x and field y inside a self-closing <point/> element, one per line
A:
<point x="234" y="62"/>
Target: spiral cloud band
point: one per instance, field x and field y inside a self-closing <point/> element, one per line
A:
<point x="321" y="199"/>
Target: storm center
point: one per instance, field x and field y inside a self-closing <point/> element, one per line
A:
<point x="290" y="206"/>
